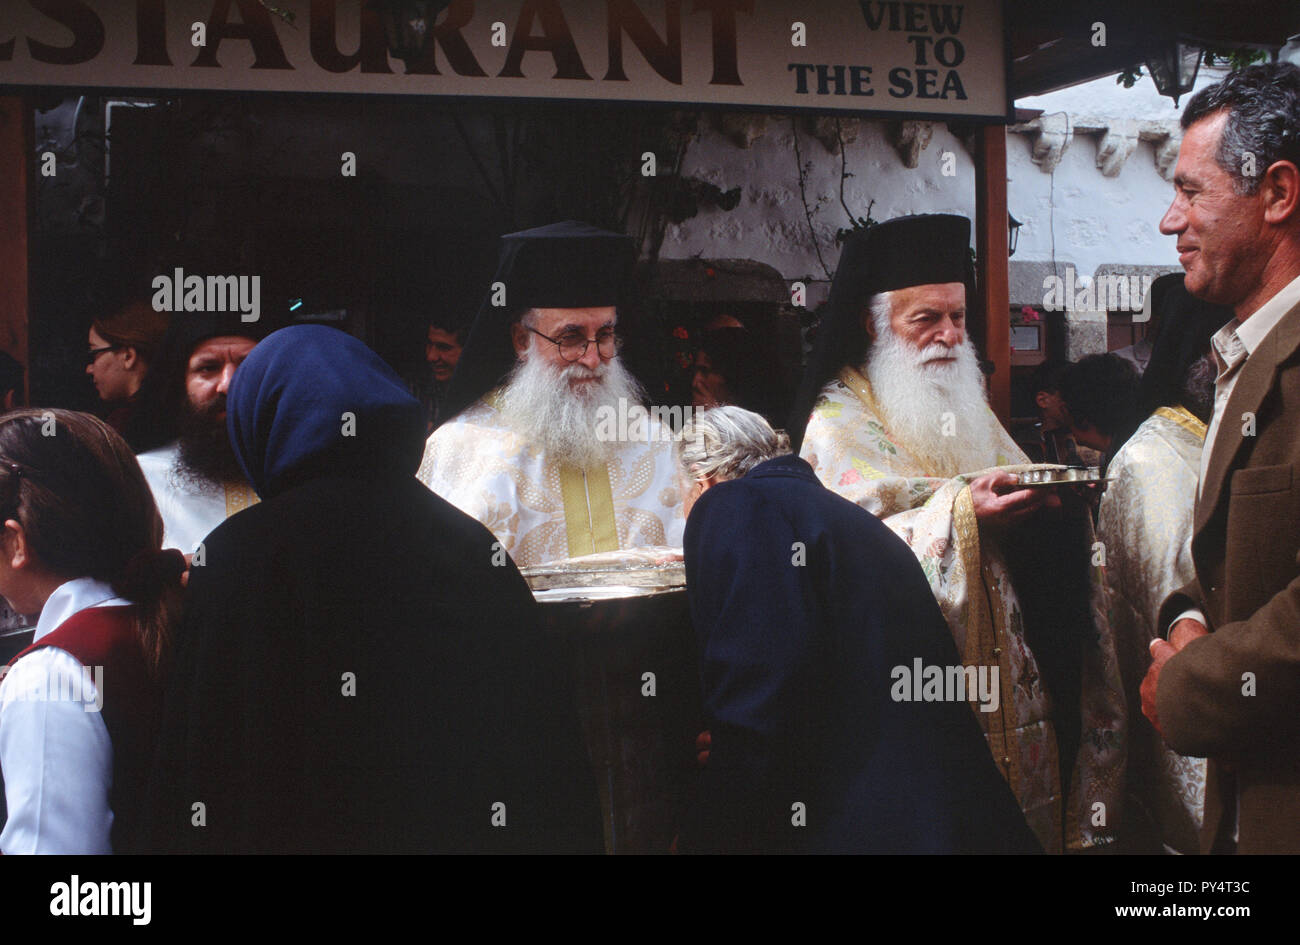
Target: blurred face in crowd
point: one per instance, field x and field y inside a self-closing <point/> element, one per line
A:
<point x="1221" y="235"/>
<point x="212" y="365"/>
<point x="117" y="371"/>
<point x="1088" y="435"/>
<point x="205" y="450"/>
<point x="708" y="388"/>
<point x="691" y="489"/>
<point x="442" y="351"/>
<point x="1051" y="407"/>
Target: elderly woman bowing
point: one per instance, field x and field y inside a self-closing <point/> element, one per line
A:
<point x="807" y="608"/>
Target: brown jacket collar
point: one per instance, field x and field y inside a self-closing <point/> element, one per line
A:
<point x="1257" y="378"/>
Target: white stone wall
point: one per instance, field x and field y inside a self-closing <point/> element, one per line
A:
<point x="1076" y="213"/>
<point x="770" y="226"/>
<point x="1073" y="213"/>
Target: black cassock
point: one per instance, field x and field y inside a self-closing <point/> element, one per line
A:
<point x="804" y="604"/>
<point x="360" y="668"/>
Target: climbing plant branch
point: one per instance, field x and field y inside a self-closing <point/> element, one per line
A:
<point x="803" y="195"/>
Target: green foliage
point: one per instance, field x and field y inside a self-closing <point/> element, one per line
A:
<point x="856" y="224"/>
<point x="1235" y="58"/>
<point x="1129" y="77"/>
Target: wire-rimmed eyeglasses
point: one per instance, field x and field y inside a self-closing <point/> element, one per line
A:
<point x="573" y="344"/>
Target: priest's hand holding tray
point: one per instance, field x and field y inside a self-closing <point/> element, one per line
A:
<point x="1001" y="501"/>
<point x="1004" y="497"/>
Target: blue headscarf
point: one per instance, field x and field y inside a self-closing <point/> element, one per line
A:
<point x="312" y="401"/>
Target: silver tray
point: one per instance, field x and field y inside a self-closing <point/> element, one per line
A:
<point x="1060" y="476"/>
<point x="588" y="595"/>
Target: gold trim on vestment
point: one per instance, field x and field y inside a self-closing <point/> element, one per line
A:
<point x="984" y="647"/>
<point x="1185" y="419"/>
<point x="600" y="493"/>
<point x="979" y="626"/>
<point x="588" y="499"/>
<point x="981" y="639"/>
<point x="239" y="496"/>
<point x="855" y="381"/>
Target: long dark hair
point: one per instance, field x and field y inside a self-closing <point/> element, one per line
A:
<point x="75" y="487"/>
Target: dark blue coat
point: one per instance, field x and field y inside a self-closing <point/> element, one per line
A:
<point x="357" y="672"/>
<point x="796" y="662"/>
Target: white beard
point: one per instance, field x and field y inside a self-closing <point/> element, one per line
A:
<point x="920" y="401"/>
<point x="539" y="404"/>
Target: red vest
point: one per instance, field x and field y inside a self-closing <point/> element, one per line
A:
<point x="106" y="636"/>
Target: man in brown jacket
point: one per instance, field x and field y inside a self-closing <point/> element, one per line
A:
<point x="1226" y="685"/>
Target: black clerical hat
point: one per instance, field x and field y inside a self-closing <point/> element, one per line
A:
<point x="907" y="251"/>
<point x="564" y="265"/>
<point x="187" y="329"/>
<point x="561" y="265"/>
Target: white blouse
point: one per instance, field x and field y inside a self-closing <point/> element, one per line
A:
<point x="55" y="753"/>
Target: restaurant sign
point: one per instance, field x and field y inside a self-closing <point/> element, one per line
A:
<point x="940" y="59"/>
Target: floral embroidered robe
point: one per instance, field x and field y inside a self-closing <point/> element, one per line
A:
<point x="541" y="511"/>
<point x="1145" y="524"/>
<point x="853" y="453"/>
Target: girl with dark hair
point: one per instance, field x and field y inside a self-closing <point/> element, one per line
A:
<point x="80" y="546"/>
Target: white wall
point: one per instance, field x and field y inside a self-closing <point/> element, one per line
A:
<point x="1095" y="219"/>
<point x="769" y="225"/>
<point x="1073" y="214"/>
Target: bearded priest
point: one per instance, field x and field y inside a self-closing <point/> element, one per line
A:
<point x="893" y="416"/>
<point x="538" y="445"/>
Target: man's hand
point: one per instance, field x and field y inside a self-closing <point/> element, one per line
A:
<point x="998" y="502"/>
<point x="1183" y="633"/>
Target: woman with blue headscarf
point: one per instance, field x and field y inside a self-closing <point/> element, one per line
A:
<point x="359" y="669"/>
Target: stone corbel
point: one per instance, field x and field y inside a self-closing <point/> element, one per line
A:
<point x="1164" y="136"/>
<point x="1051" y="136"/>
<point x="1117" y="143"/>
<point x="822" y="127"/>
<point x="966" y="134"/>
<point x="909" y="139"/>
<point x="1167" y="156"/>
<point x="743" y="129"/>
